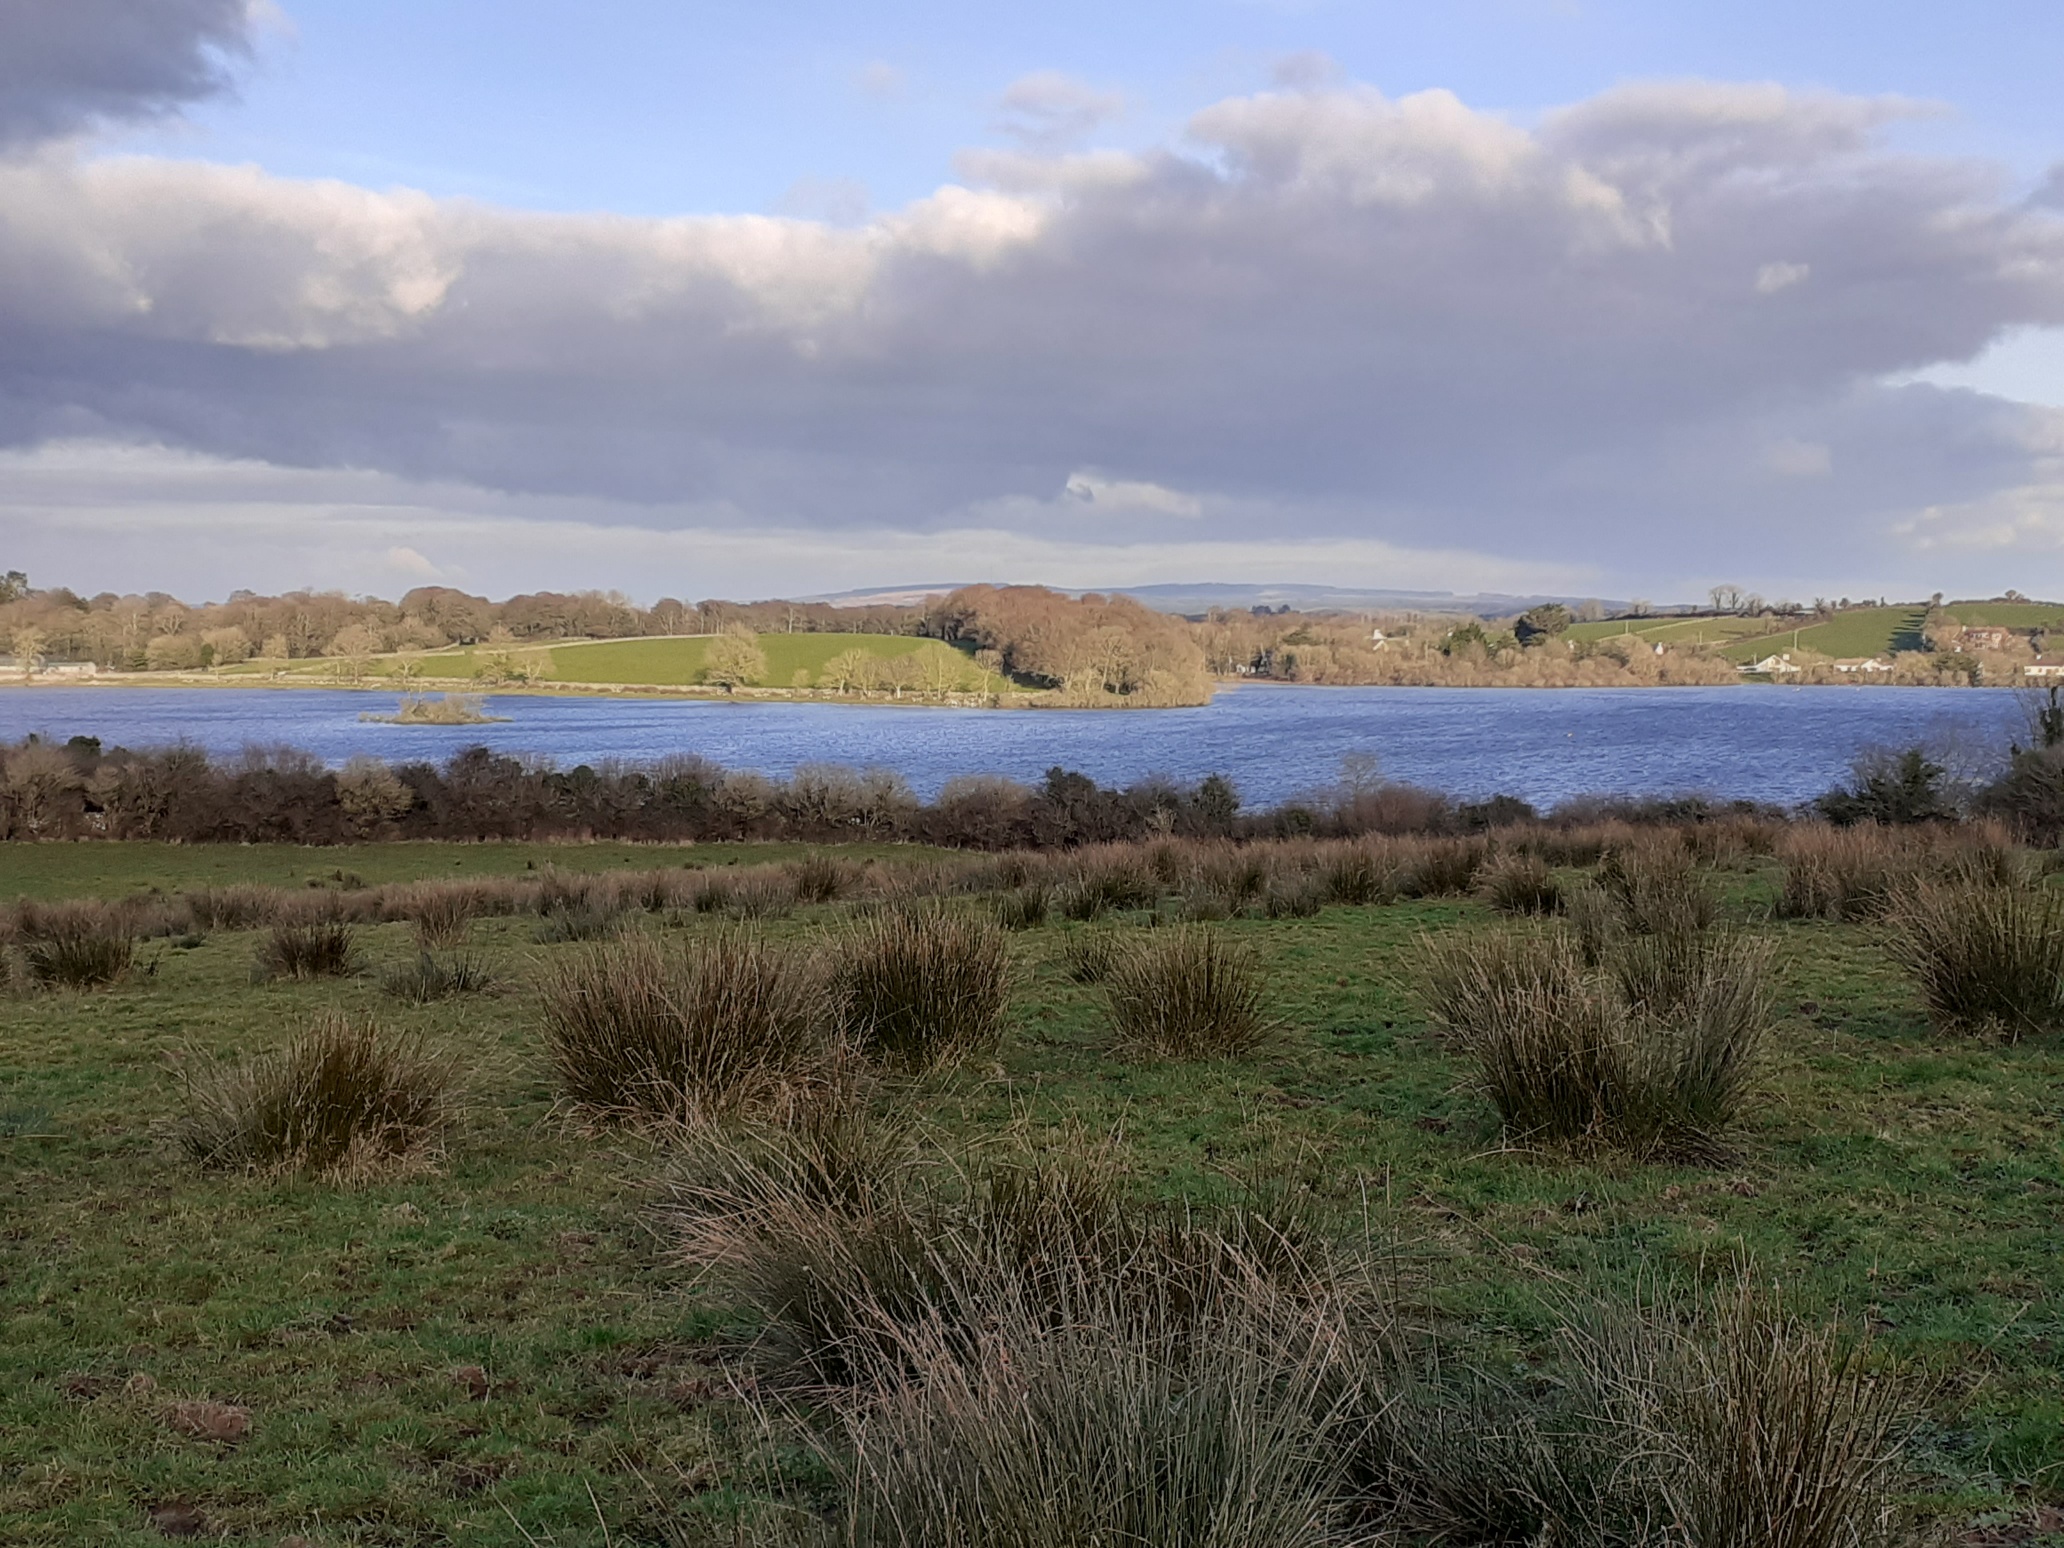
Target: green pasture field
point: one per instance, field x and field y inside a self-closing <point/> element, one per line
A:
<point x="663" y="661"/>
<point x="1861" y="631"/>
<point x="2008" y="615"/>
<point x="1910" y="1183"/>
<point x="1685" y="631"/>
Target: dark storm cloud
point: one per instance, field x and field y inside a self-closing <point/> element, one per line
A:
<point x="68" y="65"/>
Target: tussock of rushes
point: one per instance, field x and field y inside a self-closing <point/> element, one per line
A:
<point x="1514" y="883"/>
<point x="1355" y="875"/>
<point x="1762" y="1431"/>
<point x="762" y="894"/>
<point x="1186" y="993"/>
<point x="1843" y="873"/>
<point x="1735" y="1426"/>
<point x="579" y="920"/>
<point x="79" y="958"/>
<point x="1089" y="955"/>
<point x="1657" y="889"/>
<point x="441" y="915"/>
<point x="238" y="907"/>
<point x="1988" y="960"/>
<point x="1655" y="1054"/>
<point x="324" y="948"/>
<point x="341" y="1097"/>
<point x="922" y="987"/>
<point x="1100" y="1431"/>
<point x="638" y="1027"/>
<point x="818" y="878"/>
<point x="1439" y="868"/>
<point x="430" y="977"/>
<point x="848" y="1236"/>
<point x="1022" y="907"/>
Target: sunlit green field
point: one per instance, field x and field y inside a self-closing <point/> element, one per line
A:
<point x="499" y="1350"/>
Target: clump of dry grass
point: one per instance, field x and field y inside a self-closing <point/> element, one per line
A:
<point x="82" y="944"/>
<point x="432" y="977"/>
<point x="1517" y="883"/>
<point x="1186" y="992"/>
<point x="342" y="1097"/>
<point x="637" y="1027"/>
<point x="322" y="948"/>
<point x="922" y="987"/>
<point x="1653" y="1054"/>
<point x="1843" y="873"/>
<point x="564" y="921"/>
<point x="441" y="914"/>
<point x="1988" y="960"/>
<point x="1657" y="889"/>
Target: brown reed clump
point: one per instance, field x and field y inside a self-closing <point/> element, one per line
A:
<point x="1516" y="883"/>
<point x="341" y="1097"/>
<point x="922" y="986"/>
<point x="1654" y="1054"/>
<point x="1988" y="960"/>
<point x="637" y="1028"/>
<point x="1186" y="992"/>
<point x="325" y="948"/>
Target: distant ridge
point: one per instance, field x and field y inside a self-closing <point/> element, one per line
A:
<point x="1202" y="596"/>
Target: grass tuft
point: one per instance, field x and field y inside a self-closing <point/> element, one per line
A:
<point x="324" y="948"/>
<point x="1516" y="883"/>
<point x="431" y="977"/>
<point x="342" y="1097"/>
<point x="1654" y="1054"/>
<point x="1988" y="960"/>
<point x="640" y="1028"/>
<point x="922" y="987"/>
<point x="83" y="957"/>
<point x="1186" y="992"/>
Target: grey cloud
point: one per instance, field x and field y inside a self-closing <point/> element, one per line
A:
<point x="1048" y="110"/>
<point x="1337" y="316"/>
<point x="66" y="65"/>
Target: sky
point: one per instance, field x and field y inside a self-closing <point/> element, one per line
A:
<point x="1618" y="298"/>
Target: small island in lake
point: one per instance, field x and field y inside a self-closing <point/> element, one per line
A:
<point x="439" y="709"/>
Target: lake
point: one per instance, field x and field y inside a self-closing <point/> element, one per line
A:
<point x="1768" y="743"/>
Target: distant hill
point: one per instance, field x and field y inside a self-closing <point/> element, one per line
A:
<point x="1202" y="596"/>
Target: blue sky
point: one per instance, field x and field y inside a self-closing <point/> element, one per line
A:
<point x="648" y="107"/>
<point x="1581" y="296"/>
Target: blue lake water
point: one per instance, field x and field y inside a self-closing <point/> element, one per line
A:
<point x="1763" y="742"/>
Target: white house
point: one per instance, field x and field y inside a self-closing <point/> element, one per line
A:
<point x="1863" y="666"/>
<point x="2043" y="669"/>
<point x="1774" y="666"/>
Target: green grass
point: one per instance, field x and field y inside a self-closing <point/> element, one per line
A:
<point x="672" y="661"/>
<point x="1681" y="631"/>
<point x="1906" y="1180"/>
<point x="2008" y="615"/>
<point x="114" y="870"/>
<point x="1860" y="631"/>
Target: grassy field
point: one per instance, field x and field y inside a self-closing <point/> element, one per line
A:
<point x="672" y="661"/>
<point x="1683" y="631"/>
<point x="1862" y="631"/>
<point x="2008" y="615"/>
<point x="500" y="1350"/>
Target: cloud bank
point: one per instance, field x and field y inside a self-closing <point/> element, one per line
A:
<point x="1647" y="340"/>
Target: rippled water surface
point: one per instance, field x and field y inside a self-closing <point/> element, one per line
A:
<point x="1765" y="742"/>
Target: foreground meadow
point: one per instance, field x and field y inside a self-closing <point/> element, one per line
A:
<point x="533" y="1325"/>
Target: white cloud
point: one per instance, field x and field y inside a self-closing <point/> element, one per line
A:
<point x="1773" y="277"/>
<point x="404" y="560"/>
<point x="1330" y="318"/>
<point x="1121" y="497"/>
